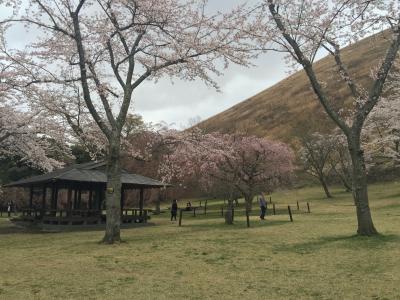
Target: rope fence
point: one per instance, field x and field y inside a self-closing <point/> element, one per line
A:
<point x="272" y="209"/>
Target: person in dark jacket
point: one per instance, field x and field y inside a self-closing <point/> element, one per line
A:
<point x="174" y="209"/>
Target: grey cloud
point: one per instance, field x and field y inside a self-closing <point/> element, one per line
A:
<point x="176" y="103"/>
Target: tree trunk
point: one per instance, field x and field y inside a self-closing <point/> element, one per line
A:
<point x="360" y="190"/>
<point x="113" y="193"/>
<point x="229" y="212"/>
<point x="344" y="178"/>
<point x="249" y="203"/>
<point x="346" y="184"/>
<point x="325" y="186"/>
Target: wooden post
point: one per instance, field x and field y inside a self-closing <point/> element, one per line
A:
<point x="44" y="198"/>
<point x="270" y="199"/>
<point x="141" y="200"/>
<point x="145" y="216"/>
<point x="69" y="198"/>
<point x="194" y="211"/>
<point x="290" y="213"/>
<point x="233" y="214"/>
<point x="222" y="211"/>
<point x="266" y="209"/>
<point x="122" y="200"/>
<point x="31" y="198"/>
<point x="200" y="203"/>
<point x="79" y="198"/>
<point x="205" y="208"/>
<point x="308" y="207"/>
<point x="54" y="195"/>
<point x="55" y="198"/>
<point x="247" y="218"/>
<point x="98" y="196"/>
<point x="298" y="207"/>
<point x="273" y="209"/>
<point x="180" y="217"/>
<point x="90" y="204"/>
<point x="75" y="199"/>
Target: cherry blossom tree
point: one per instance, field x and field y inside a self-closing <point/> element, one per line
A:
<point x="341" y="160"/>
<point x="316" y="155"/>
<point x="26" y="137"/>
<point x="244" y="164"/>
<point x="27" y="134"/>
<point x="304" y="28"/>
<point x="324" y="155"/>
<point x="382" y="129"/>
<point x="110" y="47"/>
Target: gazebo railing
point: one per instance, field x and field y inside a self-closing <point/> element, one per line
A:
<point x="135" y="211"/>
<point x="60" y="212"/>
<point x="82" y="216"/>
<point x="135" y="215"/>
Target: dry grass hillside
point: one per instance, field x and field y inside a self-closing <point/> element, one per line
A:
<point x="289" y="107"/>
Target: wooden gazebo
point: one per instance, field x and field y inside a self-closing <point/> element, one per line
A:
<point x="78" y="180"/>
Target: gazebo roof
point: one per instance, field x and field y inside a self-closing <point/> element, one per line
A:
<point x="92" y="172"/>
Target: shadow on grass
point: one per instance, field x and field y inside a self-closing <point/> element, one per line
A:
<point x="392" y="206"/>
<point x="235" y="226"/>
<point x="391" y="196"/>
<point x="349" y="242"/>
<point x="9" y="227"/>
<point x="15" y="230"/>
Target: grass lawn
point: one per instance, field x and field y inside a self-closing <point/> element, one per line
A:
<point x="315" y="257"/>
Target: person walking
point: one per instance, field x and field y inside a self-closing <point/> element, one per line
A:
<point x="9" y="204"/>
<point x="174" y="209"/>
<point x="263" y="206"/>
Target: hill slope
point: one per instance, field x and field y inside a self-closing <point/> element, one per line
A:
<point x="284" y="110"/>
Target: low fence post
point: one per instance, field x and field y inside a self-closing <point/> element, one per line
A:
<point x="194" y="211"/>
<point x="233" y="214"/>
<point x="247" y="218"/>
<point x="270" y="199"/>
<point x="222" y="211"/>
<point x="273" y="209"/>
<point x="308" y="207"/>
<point x="298" y="207"/>
<point x="290" y="213"/>
<point x="180" y="217"/>
<point x="205" y="208"/>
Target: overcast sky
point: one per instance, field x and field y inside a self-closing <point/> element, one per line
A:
<point x="177" y="102"/>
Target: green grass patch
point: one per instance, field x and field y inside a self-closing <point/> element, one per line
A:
<point x="317" y="256"/>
